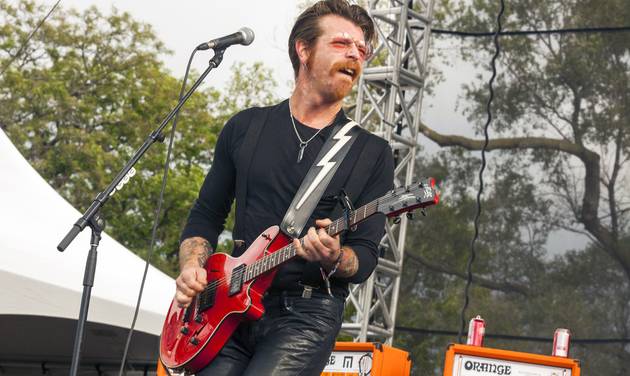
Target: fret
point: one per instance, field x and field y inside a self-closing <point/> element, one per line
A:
<point x="265" y="263"/>
<point x="364" y="211"/>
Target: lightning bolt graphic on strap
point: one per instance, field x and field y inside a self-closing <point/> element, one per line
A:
<point x="325" y="162"/>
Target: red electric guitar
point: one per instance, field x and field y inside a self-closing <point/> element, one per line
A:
<point x="193" y="336"/>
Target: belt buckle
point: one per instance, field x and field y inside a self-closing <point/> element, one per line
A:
<point x="307" y="292"/>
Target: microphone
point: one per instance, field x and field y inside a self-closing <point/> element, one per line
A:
<point x="244" y="36"/>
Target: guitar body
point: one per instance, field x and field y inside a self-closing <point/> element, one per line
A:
<point x="192" y="337"/>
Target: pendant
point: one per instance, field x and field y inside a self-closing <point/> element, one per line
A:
<point x="301" y="152"/>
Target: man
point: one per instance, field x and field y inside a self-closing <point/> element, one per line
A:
<point x="327" y="46"/>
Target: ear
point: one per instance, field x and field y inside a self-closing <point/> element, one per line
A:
<point x="302" y="51"/>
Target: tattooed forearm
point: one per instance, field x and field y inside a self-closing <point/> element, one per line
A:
<point x="349" y="263"/>
<point x="195" y="249"/>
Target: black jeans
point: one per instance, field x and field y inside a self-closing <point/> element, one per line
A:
<point x="294" y="337"/>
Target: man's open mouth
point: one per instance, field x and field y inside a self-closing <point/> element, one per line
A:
<point x="348" y="71"/>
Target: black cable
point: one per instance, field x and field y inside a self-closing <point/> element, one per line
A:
<point x="585" y="341"/>
<point x="481" y="170"/>
<point x="582" y="30"/>
<point x="41" y="22"/>
<point x="156" y="219"/>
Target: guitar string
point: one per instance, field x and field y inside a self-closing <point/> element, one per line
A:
<point x="372" y="205"/>
<point x="260" y="262"/>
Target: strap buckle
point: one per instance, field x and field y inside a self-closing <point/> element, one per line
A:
<point x="347" y="208"/>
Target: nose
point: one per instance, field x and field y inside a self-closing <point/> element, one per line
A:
<point x="353" y="52"/>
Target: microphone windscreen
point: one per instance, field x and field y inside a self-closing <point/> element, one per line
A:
<point x="248" y="35"/>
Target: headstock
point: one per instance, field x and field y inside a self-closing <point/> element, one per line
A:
<point x="405" y="199"/>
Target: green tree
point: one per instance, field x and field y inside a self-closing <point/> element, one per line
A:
<point x="559" y="149"/>
<point x="85" y="93"/>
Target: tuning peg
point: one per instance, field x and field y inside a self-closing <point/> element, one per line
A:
<point x="410" y="216"/>
<point x="396" y="220"/>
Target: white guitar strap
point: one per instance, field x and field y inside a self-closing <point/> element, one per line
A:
<point x="318" y="177"/>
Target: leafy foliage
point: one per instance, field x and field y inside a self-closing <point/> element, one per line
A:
<point x="85" y="94"/>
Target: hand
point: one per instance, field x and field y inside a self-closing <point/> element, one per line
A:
<point x="319" y="246"/>
<point x="190" y="282"/>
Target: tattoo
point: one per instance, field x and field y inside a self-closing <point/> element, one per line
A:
<point x="349" y="264"/>
<point x="195" y="248"/>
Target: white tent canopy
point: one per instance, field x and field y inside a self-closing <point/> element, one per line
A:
<point x="39" y="281"/>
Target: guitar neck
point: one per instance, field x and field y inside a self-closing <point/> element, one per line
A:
<point x="270" y="261"/>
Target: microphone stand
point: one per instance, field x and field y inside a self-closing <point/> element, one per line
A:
<point x="92" y="218"/>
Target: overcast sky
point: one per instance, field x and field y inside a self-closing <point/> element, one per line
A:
<point x="182" y="25"/>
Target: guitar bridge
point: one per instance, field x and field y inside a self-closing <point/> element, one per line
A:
<point x="236" y="280"/>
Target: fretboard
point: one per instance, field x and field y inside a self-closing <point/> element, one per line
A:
<point x="272" y="260"/>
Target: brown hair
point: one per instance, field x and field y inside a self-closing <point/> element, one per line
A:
<point x="306" y="27"/>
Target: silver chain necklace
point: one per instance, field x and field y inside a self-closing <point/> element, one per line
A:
<point x="303" y="144"/>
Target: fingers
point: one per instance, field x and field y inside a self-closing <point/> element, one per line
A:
<point x="196" y="279"/>
<point x="302" y="251"/>
<point x="323" y="222"/>
<point x="314" y="242"/>
<point x="325" y="239"/>
<point x="318" y="246"/>
<point x="182" y="299"/>
<point x="189" y="283"/>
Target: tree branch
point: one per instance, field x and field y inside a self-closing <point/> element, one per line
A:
<point x="590" y="200"/>
<point x="510" y="143"/>
<point x="507" y="287"/>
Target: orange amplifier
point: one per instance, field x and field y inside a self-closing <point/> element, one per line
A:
<point x="464" y="360"/>
<point x="371" y="358"/>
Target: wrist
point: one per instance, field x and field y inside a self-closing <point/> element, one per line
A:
<point x="332" y="267"/>
<point x="194" y="261"/>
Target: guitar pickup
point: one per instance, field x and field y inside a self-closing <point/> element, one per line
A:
<point x="207" y="296"/>
<point x="188" y="312"/>
<point x="236" y="280"/>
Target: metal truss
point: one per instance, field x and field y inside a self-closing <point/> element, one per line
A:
<point x="389" y="100"/>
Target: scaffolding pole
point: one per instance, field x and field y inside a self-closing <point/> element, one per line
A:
<point x="389" y="102"/>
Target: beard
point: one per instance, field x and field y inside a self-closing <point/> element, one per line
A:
<point x="335" y="89"/>
<point x="344" y="88"/>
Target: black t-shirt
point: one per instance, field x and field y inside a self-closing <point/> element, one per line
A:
<point x="274" y="177"/>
